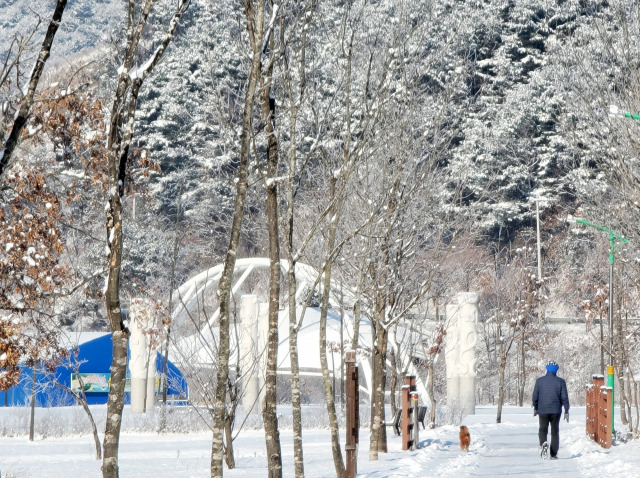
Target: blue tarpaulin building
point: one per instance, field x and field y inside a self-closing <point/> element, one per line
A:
<point x="94" y="359"/>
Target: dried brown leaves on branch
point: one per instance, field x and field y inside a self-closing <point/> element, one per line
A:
<point x="34" y="200"/>
<point x="26" y="339"/>
<point x="30" y="245"/>
<point x="10" y="353"/>
<point x="32" y="212"/>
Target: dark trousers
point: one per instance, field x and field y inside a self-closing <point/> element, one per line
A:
<point x="545" y="420"/>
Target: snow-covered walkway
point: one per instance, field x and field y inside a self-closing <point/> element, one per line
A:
<point x="507" y="449"/>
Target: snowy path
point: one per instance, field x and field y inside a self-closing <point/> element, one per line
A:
<point x="508" y="449"/>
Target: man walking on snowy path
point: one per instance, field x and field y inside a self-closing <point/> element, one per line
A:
<point x="549" y="396"/>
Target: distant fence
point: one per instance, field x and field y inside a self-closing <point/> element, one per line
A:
<point x="546" y="319"/>
<point x="599" y="411"/>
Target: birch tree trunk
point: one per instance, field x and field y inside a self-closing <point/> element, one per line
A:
<point x="296" y="403"/>
<point x="328" y="390"/>
<point x="115" y="403"/>
<point x="432" y="398"/>
<point x="269" y="416"/>
<point x="255" y="19"/>
<point x="119" y="139"/>
<point x="523" y="368"/>
<point x="379" y="365"/>
<point x="502" y="365"/>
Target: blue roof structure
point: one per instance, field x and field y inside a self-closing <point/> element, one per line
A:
<point x="93" y="363"/>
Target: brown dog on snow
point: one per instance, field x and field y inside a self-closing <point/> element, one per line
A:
<point x="465" y="438"/>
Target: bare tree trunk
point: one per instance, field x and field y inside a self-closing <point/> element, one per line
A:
<point x="621" y="366"/>
<point x="628" y="401"/>
<point x="432" y="398"/>
<point x="523" y="369"/>
<point x="501" y="369"/>
<point x="120" y="334"/>
<point x="328" y="391"/>
<point x="119" y="138"/>
<point x="115" y="403"/>
<point x="357" y="307"/>
<point x="32" y="412"/>
<point x="269" y="416"/>
<point x="229" y="459"/>
<point x="393" y="386"/>
<point x="172" y="286"/>
<point x="255" y="20"/>
<point x="378" y="441"/>
<point x="296" y="94"/>
<point x="81" y="398"/>
<point x="384" y="301"/>
<point x="636" y="405"/>
<point x="94" y="429"/>
<point x="622" y="391"/>
<point x="27" y="100"/>
<point x="296" y="402"/>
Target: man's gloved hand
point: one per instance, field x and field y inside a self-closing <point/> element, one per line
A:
<point x="566" y="416"/>
<point x="535" y="412"/>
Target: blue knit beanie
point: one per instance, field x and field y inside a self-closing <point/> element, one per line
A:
<point x="552" y="367"/>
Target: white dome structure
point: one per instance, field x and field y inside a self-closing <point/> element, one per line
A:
<point x="194" y="339"/>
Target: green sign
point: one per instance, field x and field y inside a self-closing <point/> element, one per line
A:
<point x="92" y="382"/>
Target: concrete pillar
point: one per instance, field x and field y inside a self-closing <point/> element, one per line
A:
<point x="248" y="355"/>
<point x="263" y="335"/>
<point x="460" y="355"/>
<point x="254" y="327"/>
<point x="142" y="360"/>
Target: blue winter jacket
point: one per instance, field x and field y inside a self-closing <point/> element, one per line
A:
<point x="550" y="395"/>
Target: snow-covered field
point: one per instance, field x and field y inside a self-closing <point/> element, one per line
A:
<point x="503" y="449"/>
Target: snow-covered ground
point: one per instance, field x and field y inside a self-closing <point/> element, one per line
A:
<point x="509" y="448"/>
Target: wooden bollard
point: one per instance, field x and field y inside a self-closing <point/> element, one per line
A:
<point x="406" y="423"/>
<point x="353" y="418"/>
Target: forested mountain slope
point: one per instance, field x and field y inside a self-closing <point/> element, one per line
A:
<point x="490" y="109"/>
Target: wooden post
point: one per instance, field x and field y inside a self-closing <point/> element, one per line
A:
<point x="598" y="382"/>
<point x="407" y="388"/>
<point x="405" y="417"/>
<point x="411" y="381"/>
<point x="590" y="421"/>
<point x="353" y="415"/>
<point x="605" y="409"/>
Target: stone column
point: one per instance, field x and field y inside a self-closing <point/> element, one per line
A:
<point x="460" y="355"/>
<point x="263" y="335"/>
<point x="248" y="355"/>
<point x="254" y="325"/>
<point x="142" y="360"/>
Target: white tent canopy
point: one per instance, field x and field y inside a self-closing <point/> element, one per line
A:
<point x="195" y="347"/>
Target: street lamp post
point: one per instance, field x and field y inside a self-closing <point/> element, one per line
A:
<point x="537" y="199"/>
<point x="612" y="244"/>
<point x="617" y="112"/>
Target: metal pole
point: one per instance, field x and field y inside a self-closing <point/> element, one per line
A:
<point x="538" y="230"/>
<point x="610" y="370"/>
<point x="611" y="312"/>
<point x="539" y="259"/>
<point x="612" y="245"/>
